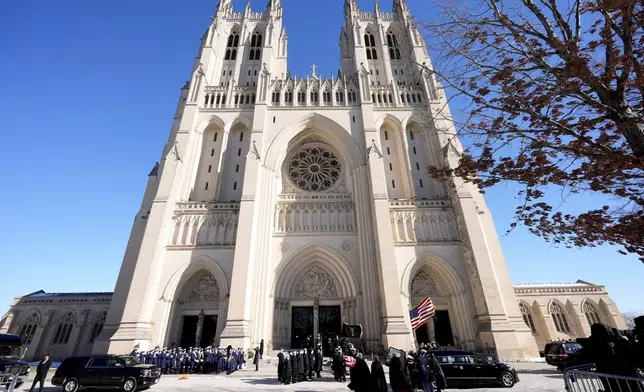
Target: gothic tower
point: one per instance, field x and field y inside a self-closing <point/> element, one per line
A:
<point x="285" y="205"/>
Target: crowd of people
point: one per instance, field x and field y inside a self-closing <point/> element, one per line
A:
<point x="415" y="370"/>
<point x="615" y="352"/>
<point x="206" y="360"/>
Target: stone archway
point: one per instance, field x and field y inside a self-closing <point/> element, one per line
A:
<point x="195" y="305"/>
<point x="430" y="276"/>
<point x="314" y="292"/>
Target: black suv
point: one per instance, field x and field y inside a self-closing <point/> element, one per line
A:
<point x="105" y="371"/>
<point x="11" y="362"/>
<point x="563" y="354"/>
<point x="466" y="368"/>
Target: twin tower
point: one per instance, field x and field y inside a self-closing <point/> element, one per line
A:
<point x="285" y="205"/>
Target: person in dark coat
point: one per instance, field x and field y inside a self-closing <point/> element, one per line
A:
<point x="280" y="366"/>
<point x="307" y="365"/>
<point x="398" y="377"/>
<point x="336" y="364"/>
<point x="360" y="377"/>
<point x="439" y="376"/>
<point x="294" y="367"/>
<point x="261" y="349"/>
<point x="318" y="361"/>
<point x="311" y="356"/>
<point x="426" y="375"/>
<point x="256" y="359"/>
<point x="41" y="372"/>
<point x="378" y="376"/>
<point x="300" y="366"/>
<point x="287" y="371"/>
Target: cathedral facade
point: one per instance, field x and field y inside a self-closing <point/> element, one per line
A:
<point x="285" y="205"/>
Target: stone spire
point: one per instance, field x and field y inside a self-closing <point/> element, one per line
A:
<point x="274" y="5"/>
<point x="350" y="6"/>
<point x="401" y="6"/>
<point x="225" y="7"/>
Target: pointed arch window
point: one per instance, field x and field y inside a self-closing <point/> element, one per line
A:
<point x="276" y="96"/>
<point x="527" y="317"/>
<point x="64" y="328"/>
<point x="591" y="313"/>
<point x="559" y="318"/>
<point x="255" y="44"/>
<point x="314" y="96"/>
<point x="28" y="329"/>
<point x="231" y="44"/>
<point x="394" y="48"/>
<point x="288" y="96"/>
<point x="370" y="44"/>
<point x="97" y="325"/>
<point x="301" y="96"/>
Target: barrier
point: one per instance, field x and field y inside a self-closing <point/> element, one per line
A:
<point x="8" y="381"/>
<point x="584" y="378"/>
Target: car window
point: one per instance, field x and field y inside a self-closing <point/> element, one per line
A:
<point x="113" y="362"/>
<point x="460" y="359"/>
<point x="554" y="349"/>
<point x="98" y="362"/>
<point x="480" y="360"/>
<point x="572" y="348"/>
<point x="442" y="359"/>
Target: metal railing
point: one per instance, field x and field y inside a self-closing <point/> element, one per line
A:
<point x="8" y="381"/>
<point x="584" y="378"/>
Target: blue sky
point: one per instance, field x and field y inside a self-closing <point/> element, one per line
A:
<point x="88" y="91"/>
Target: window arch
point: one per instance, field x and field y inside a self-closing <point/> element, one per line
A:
<point x="97" y="325"/>
<point x="370" y="44"/>
<point x="28" y="329"/>
<point x="275" y="96"/>
<point x="394" y="48"/>
<point x="288" y="96"/>
<point x="527" y="317"/>
<point x="314" y="96"/>
<point x="559" y="318"/>
<point x="64" y="328"/>
<point x="255" y="44"/>
<point x="591" y="313"/>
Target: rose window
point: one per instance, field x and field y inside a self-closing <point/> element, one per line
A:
<point x="314" y="169"/>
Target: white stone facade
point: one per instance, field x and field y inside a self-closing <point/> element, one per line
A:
<point x="278" y="192"/>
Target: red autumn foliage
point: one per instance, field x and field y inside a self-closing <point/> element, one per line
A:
<point x="553" y="92"/>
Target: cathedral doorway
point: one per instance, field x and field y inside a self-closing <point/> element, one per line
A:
<point x="330" y="322"/>
<point x="198" y="331"/>
<point x="189" y="331"/>
<point x="443" y="328"/>
<point x="301" y="325"/>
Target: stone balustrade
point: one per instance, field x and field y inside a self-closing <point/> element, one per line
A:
<point x="418" y="221"/>
<point x="204" y="225"/>
<point x="314" y="216"/>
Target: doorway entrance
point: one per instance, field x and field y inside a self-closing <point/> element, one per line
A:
<point x="443" y="328"/>
<point x="330" y="327"/>
<point x="209" y="331"/>
<point x="422" y="334"/>
<point x="301" y="325"/>
<point x="189" y="331"/>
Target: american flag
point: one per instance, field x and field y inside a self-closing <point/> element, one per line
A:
<point x="421" y="313"/>
<point x="349" y="361"/>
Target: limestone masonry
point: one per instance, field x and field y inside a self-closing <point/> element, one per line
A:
<point x="285" y="204"/>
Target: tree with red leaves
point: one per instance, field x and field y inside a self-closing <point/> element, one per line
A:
<point x="553" y="92"/>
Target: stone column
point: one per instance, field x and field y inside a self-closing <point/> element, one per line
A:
<point x="199" y="329"/>
<point x="316" y="317"/>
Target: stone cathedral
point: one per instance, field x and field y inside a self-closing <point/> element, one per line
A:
<point x="284" y="205"/>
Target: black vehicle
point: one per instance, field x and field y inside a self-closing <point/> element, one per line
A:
<point x="105" y="372"/>
<point x="11" y="360"/>
<point x="463" y="368"/>
<point x="563" y="354"/>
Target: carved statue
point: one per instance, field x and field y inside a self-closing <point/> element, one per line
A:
<point x="316" y="283"/>
<point x="423" y="285"/>
<point x="207" y="290"/>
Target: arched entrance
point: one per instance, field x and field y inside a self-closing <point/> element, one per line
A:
<point x="197" y="298"/>
<point x="315" y="291"/>
<point x="429" y="276"/>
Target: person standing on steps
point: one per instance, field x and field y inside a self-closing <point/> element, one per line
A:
<point x="280" y="366"/>
<point x="41" y="372"/>
<point x="261" y="349"/>
<point x="257" y="358"/>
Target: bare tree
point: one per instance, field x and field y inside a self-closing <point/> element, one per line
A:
<point x="629" y="317"/>
<point x="553" y="93"/>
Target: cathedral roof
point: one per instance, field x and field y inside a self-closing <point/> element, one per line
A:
<point x="42" y="293"/>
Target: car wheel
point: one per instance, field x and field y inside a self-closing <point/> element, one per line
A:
<point x="129" y="385"/>
<point x="70" y="385"/>
<point x="507" y="380"/>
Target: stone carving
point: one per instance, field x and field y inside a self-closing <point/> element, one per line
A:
<point x="252" y="152"/>
<point x="173" y="152"/>
<point x="314" y="169"/>
<point x="314" y="217"/>
<point x="316" y="283"/>
<point x="213" y="225"/>
<point x="374" y="151"/>
<point x="423" y="285"/>
<point x="423" y="225"/>
<point x="283" y="246"/>
<point x="207" y="290"/>
<point x="346" y="245"/>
